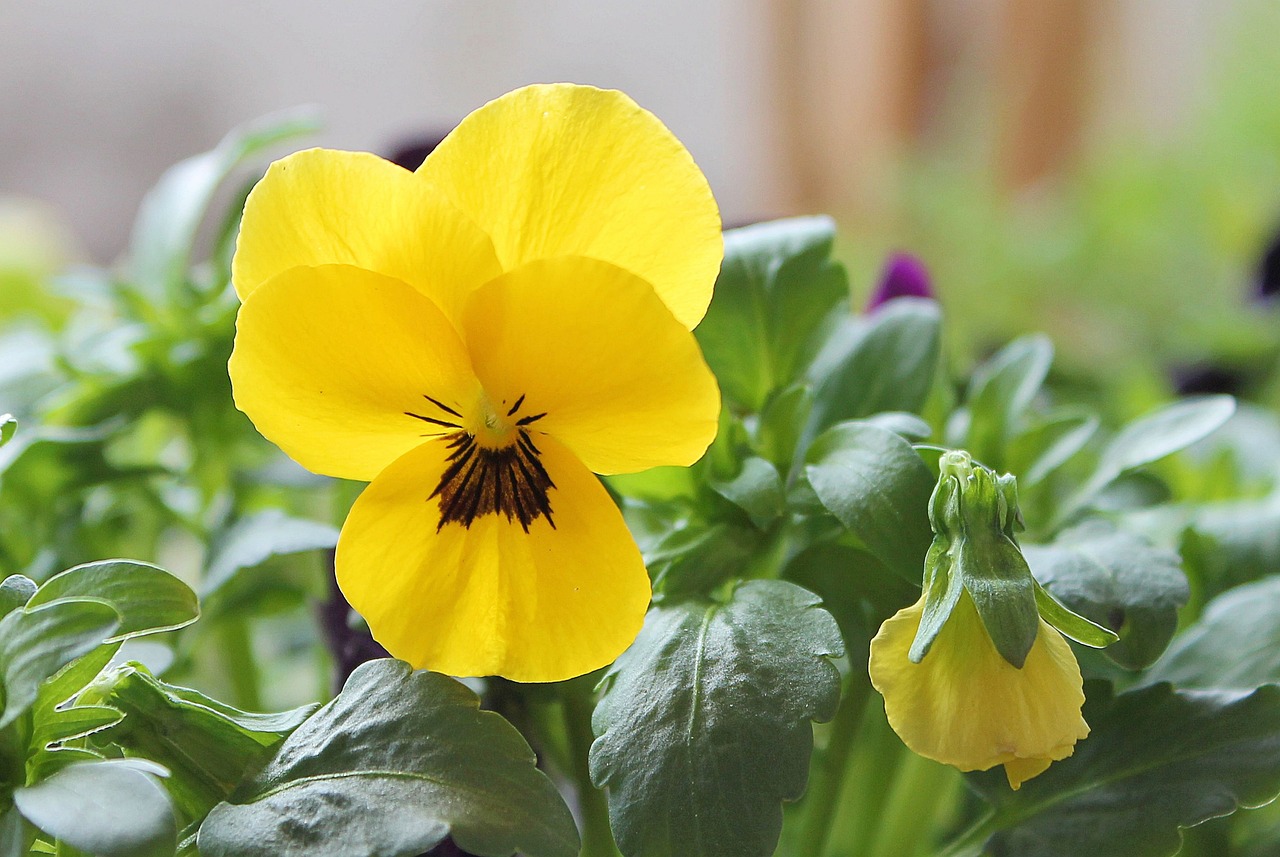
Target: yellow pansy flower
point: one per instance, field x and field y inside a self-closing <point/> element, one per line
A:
<point x="976" y="673"/>
<point x="476" y="339"/>
<point x="966" y="706"/>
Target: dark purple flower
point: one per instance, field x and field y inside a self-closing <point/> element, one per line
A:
<point x="1269" y="271"/>
<point x="904" y="276"/>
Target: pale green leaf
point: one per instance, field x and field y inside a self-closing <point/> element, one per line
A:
<point x="172" y="211"/>
<point x="36" y="642"/>
<point x="1150" y="438"/>
<point x="148" y="599"/>
<point x="110" y="808"/>
<point x="15" y="591"/>
<point x="256" y="538"/>
<point x="1000" y="391"/>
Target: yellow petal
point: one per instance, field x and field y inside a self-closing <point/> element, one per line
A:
<point x="323" y="207"/>
<point x="565" y="170"/>
<point x="491" y="599"/>
<point x="622" y="383"/>
<point x="964" y="705"/>
<point x="328" y="360"/>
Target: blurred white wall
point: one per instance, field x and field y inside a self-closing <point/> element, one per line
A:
<point x="787" y="104"/>
<point x="96" y="99"/>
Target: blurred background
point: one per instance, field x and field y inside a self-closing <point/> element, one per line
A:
<point x="1106" y="170"/>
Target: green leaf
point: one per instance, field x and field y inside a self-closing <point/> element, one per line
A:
<point x="1045" y="447"/>
<point x="705" y="728"/>
<point x="781" y="424"/>
<point x="110" y="808"/>
<point x="756" y="489"/>
<point x="774" y="298"/>
<point x="256" y="538"/>
<point x="46" y="762"/>
<point x="8" y="425"/>
<point x="397" y="762"/>
<point x="1118" y="581"/>
<point x="208" y="747"/>
<point x="15" y="591"/>
<point x="875" y="484"/>
<point x="1234" y="645"/>
<point x="172" y="211"/>
<point x="36" y="642"/>
<point x="72" y="678"/>
<point x="1156" y="760"/>
<point x="909" y="426"/>
<point x="75" y="721"/>
<point x="1234" y="542"/>
<point x="148" y="599"/>
<point x="1152" y="437"/>
<point x="883" y="362"/>
<point x="1000" y="391"/>
<point x="854" y="586"/>
<point x="697" y="559"/>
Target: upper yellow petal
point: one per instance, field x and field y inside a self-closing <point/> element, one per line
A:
<point x="491" y="599"/>
<point x="620" y="381"/>
<point x="328" y="360"/>
<point x="565" y="170"/>
<point x="965" y="705"/>
<point x="324" y="207"/>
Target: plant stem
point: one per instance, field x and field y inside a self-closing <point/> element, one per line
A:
<point x="920" y="789"/>
<point x="597" y="837"/>
<point x="826" y="778"/>
<point x="239" y="664"/>
<point x="969" y="843"/>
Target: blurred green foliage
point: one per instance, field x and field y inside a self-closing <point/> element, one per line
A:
<point x="1140" y="256"/>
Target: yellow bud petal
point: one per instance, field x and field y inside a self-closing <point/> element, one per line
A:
<point x="966" y="706"/>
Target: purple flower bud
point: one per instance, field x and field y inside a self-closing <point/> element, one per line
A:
<point x="904" y="276"/>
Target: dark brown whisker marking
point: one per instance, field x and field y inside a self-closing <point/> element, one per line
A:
<point x="442" y="406"/>
<point x="432" y="420"/>
<point x="480" y="480"/>
<point x="516" y="406"/>
<point x="524" y="421"/>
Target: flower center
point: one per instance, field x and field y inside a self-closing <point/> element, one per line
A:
<point x="493" y="467"/>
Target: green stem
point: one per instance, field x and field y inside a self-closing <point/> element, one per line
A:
<point x="239" y="664"/>
<point x="597" y="837"/>
<point x="875" y="762"/>
<point x="970" y="842"/>
<point x="921" y="789"/>
<point x="826" y="778"/>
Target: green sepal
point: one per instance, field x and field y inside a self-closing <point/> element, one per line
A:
<point x="941" y="588"/>
<point x="975" y="515"/>
<point x="1071" y="624"/>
